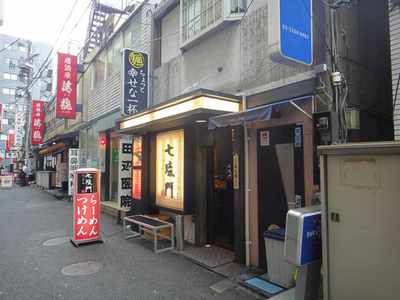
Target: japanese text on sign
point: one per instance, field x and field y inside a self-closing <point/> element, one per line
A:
<point x="125" y="168"/>
<point x="135" y="81"/>
<point x="73" y="165"/>
<point x="66" y="86"/>
<point x="86" y="208"/>
<point x="170" y="166"/>
<point x="137" y="168"/>
<point x="37" y="122"/>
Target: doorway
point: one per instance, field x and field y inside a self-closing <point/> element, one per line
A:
<point x="220" y="229"/>
<point x="280" y="177"/>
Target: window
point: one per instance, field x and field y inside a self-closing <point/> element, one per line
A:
<point x="8" y="91"/>
<point x="10" y="76"/>
<point x="114" y="56"/>
<point x="100" y="69"/>
<point x="23" y="49"/>
<point x="12" y="63"/>
<point x="238" y="6"/>
<point x="198" y="15"/>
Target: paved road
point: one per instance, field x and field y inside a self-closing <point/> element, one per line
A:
<point x="129" y="270"/>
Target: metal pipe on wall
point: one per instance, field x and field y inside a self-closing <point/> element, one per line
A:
<point x="246" y="186"/>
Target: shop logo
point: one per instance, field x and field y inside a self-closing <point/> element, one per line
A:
<point x="136" y="59"/>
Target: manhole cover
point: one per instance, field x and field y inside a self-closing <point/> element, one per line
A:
<point x="83" y="268"/>
<point x="56" y="241"/>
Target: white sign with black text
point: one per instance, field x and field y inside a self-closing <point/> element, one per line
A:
<point x="125" y="173"/>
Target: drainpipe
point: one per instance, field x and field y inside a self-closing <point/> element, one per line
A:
<point x="246" y="187"/>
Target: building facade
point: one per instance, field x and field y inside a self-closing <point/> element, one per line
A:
<point x="242" y="176"/>
<point x="19" y="59"/>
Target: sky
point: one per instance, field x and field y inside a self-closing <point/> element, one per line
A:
<point x="42" y="20"/>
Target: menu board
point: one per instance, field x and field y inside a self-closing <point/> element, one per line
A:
<point x="86" y="202"/>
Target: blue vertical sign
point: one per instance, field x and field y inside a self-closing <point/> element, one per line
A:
<point x="296" y="30"/>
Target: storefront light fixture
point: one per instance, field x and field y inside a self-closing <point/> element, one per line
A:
<point x="180" y="108"/>
<point x="201" y="121"/>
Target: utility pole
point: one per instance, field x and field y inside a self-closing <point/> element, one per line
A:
<point x="27" y="73"/>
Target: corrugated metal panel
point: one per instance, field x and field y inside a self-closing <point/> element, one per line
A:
<point x="106" y="98"/>
<point x="394" y="21"/>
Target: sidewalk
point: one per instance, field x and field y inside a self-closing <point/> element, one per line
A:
<point x="32" y="262"/>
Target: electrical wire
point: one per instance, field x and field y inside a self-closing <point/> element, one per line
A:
<point x="46" y="61"/>
<point x="9" y="45"/>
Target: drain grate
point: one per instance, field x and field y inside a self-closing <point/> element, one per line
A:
<point x="82" y="268"/>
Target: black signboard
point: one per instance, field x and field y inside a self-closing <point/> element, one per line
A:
<point x="135" y="80"/>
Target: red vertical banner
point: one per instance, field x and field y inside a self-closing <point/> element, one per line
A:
<point x="10" y="140"/>
<point x="66" y="86"/>
<point x="86" y="202"/>
<point x="37" y="122"/>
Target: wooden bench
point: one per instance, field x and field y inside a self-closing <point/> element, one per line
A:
<point x="152" y="225"/>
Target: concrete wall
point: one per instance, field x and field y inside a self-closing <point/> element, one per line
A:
<point x="170" y="35"/>
<point x="233" y="59"/>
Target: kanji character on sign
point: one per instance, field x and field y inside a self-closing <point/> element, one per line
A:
<point x="68" y="60"/>
<point x="37" y="135"/>
<point x="67" y="68"/>
<point x="132" y="72"/>
<point x="66" y="104"/>
<point x="37" y="123"/>
<point x="132" y="108"/>
<point x="67" y="86"/>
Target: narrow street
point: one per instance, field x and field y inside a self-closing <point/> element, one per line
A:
<point x="31" y="262"/>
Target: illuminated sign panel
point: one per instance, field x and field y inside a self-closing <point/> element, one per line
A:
<point x="170" y="169"/>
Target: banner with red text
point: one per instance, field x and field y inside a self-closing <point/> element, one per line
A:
<point x="10" y="140"/>
<point x="37" y="122"/>
<point x="66" y="86"/>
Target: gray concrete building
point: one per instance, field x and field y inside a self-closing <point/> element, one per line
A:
<point x="18" y="53"/>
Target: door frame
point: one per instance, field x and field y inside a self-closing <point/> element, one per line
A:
<point x="299" y="180"/>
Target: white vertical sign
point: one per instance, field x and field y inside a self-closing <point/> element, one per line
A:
<point x="73" y="165"/>
<point x="125" y="173"/>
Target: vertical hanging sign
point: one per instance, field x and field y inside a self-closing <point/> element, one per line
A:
<point x="290" y="30"/>
<point x="296" y="32"/>
<point x="125" y="173"/>
<point x="37" y="122"/>
<point x="66" y="86"/>
<point x="137" y="168"/>
<point x="135" y="78"/>
<point x="73" y="165"/>
<point x="10" y="140"/>
<point x="86" y="202"/>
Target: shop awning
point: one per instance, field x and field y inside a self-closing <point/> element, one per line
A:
<point x="52" y="148"/>
<point x="198" y="104"/>
<point x="262" y="113"/>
